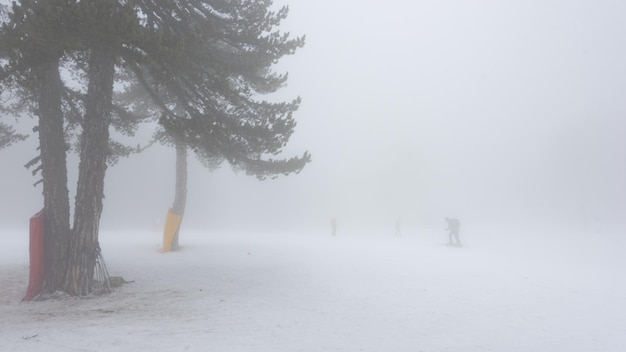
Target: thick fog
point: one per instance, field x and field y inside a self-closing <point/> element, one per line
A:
<point x="500" y="113"/>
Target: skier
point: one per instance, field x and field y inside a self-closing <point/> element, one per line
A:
<point x="333" y="224"/>
<point x="398" y="228"/>
<point x="453" y="227"/>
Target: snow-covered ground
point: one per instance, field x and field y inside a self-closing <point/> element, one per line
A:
<point x="312" y="292"/>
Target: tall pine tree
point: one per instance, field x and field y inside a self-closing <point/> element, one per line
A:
<point x="204" y="64"/>
<point x="209" y="86"/>
<point x="33" y="42"/>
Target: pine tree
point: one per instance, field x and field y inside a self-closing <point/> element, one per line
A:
<point x="108" y="27"/>
<point x="208" y="89"/>
<point x="32" y="43"/>
<point x="204" y="64"/>
<point x="86" y="36"/>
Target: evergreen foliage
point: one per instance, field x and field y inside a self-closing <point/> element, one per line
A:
<point x="8" y="136"/>
<point x="201" y="66"/>
<point x="207" y="72"/>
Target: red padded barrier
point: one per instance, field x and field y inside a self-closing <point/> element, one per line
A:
<point x="36" y="248"/>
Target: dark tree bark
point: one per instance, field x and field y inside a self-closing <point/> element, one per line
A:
<point x="54" y="172"/>
<point x="92" y="169"/>
<point x="180" y="194"/>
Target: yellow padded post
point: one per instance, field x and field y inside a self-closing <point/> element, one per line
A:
<point x="172" y="222"/>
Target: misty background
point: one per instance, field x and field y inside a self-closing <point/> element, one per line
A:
<point x="503" y="114"/>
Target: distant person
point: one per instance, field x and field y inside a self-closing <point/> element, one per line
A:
<point x="398" y="228"/>
<point x="453" y="228"/>
<point x="333" y="224"/>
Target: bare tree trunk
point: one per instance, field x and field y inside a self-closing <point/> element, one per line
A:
<point x="92" y="168"/>
<point x="54" y="173"/>
<point x="180" y="194"/>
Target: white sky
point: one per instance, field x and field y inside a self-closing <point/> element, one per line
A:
<point x="493" y="111"/>
<point x="479" y="108"/>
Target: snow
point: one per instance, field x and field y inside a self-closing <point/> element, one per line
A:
<point x="290" y="291"/>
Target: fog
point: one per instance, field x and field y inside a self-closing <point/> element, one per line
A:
<point x="503" y="114"/>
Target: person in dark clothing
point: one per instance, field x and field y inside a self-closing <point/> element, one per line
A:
<point x="453" y="228"/>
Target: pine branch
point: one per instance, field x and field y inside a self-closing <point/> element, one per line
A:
<point x="32" y="162"/>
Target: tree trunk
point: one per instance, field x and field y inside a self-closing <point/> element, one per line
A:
<point x="180" y="194"/>
<point x="54" y="173"/>
<point x="92" y="168"/>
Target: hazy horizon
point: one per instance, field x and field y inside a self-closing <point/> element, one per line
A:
<point x="498" y="113"/>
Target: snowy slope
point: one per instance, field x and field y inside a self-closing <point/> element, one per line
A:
<point x="312" y="292"/>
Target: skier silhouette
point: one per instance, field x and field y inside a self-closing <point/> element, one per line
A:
<point x="453" y="227"/>
<point x="333" y="224"/>
<point x="398" y="228"/>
